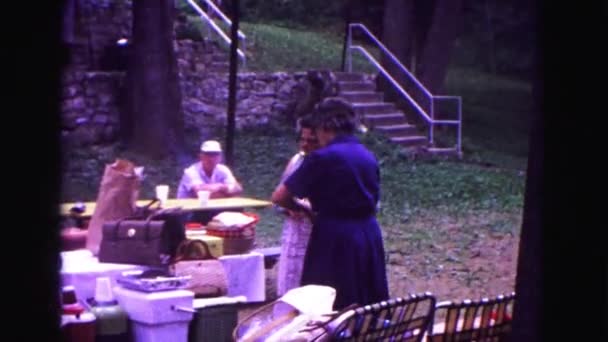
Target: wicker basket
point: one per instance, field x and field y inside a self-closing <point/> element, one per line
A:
<point x="263" y="322"/>
<point x="239" y="240"/>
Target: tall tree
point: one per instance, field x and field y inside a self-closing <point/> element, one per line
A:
<point x="435" y="55"/>
<point x="529" y="280"/>
<point x="398" y="36"/>
<point x="398" y="32"/>
<point x="421" y="34"/>
<point x="156" y="116"/>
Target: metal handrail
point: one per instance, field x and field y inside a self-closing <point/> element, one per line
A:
<point x="429" y="118"/>
<point x="222" y="16"/>
<point x="217" y="29"/>
<point x="378" y="66"/>
<point x="388" y="53"/>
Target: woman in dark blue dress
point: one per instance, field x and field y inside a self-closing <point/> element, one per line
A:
<point x="342" y="182"/>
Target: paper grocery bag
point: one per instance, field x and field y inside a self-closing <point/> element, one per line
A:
<point x="116" y="199"/>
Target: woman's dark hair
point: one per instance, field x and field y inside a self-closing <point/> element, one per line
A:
<point x="306" y="121"/>
<point x="335" y="114"/>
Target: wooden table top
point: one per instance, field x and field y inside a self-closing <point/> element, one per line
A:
<point x="186" y="204"/>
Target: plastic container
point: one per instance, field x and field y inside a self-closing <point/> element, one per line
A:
<point x="77" y="323"/>
<point x="112" y="321"/>
<point x="213" y="323"/>
<point x="73" y="238"/>
<point x="78" y="326"/>
<point x="151" y="281"/>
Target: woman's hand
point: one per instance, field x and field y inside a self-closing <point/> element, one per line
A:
<point x="296" y="214"/>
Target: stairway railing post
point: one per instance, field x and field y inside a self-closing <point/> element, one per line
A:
<point x="244" y="54"/>
<point x="459" y="140"/>
<point x="349" y="42"/>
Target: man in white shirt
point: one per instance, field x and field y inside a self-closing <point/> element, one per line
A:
<point x="209" y="174"/>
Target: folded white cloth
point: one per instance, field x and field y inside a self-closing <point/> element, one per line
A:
<point x="233" y="219"/>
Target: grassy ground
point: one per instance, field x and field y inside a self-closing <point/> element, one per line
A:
<point x="450" y="227"/>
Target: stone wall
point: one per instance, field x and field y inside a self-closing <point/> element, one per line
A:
<point x="91" y="106"/>
<point x="261" y="97"/>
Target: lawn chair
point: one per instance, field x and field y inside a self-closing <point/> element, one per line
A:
<point x="397" y="319"/>
<point x="480" y="321"/>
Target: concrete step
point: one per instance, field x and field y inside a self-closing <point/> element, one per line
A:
<point x="356" y="86"/>
<point x="348" y="76"/>
<point x="374" y="108"/>
<point x="398" y="130"/>
<point x="362" y="96"/>
<point x="373" y="120"/>
<point x="415" y="140"/>
<point x="443" y="151"/>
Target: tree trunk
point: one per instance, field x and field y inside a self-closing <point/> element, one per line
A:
<point x="398" y="35"/>
<point x="435" y="58"/>
<point x="529" y="282"/>
<point x="422" y="20"/>
<point x="156" y="111"/>
<point x="398" y="32"/>
<point x="491" y="51"/>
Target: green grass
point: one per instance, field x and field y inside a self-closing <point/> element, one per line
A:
<point x="274" y="48"/>
<point x="279" y="47"/>
<point x="496" y="115"/>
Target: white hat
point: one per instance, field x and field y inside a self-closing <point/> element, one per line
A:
<point x="211" y="146"/>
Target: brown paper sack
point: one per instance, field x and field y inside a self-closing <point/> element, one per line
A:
<point x="116" y="199"/>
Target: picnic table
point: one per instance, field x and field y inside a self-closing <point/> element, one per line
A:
<point x="186" y="205"/>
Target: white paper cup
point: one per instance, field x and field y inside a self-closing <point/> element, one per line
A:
<point x="203" y="197"/>
<point x="103" y="290"/>
<point x="162" y="193"/>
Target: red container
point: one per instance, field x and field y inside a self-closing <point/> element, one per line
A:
<point x="78" y="327"/>
<point x="194" y="226"/>
<point x="77" y="323"/>
<point x="73" y="238"/>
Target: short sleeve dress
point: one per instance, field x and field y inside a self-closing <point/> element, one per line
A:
<point x="345" y="250"/>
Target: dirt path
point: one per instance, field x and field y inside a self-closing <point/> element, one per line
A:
<point x="488" y="270"/>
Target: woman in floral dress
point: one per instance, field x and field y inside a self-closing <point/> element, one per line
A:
<point x="297" y="226"/>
